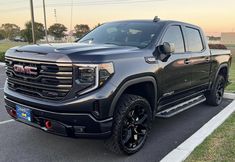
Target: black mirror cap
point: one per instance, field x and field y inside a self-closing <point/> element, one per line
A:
<point x="164" y="51"/>
<point x="168" y="48"/>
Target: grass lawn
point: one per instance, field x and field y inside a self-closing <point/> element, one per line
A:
<point x="231" y="87"/>
<point x="218" y="147"/>
<point x="5" y="45"/>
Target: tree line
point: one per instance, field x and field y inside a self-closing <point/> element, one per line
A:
<point x="10" y="31"/>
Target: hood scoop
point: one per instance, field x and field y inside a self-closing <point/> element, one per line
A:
<point x="38" y="49"/>
<point x="19" y="50"/>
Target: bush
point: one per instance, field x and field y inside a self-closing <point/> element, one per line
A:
<point x="2" y="54"/>
<point x="217" y="46"/>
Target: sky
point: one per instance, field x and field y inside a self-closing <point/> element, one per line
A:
<point x="214" y="16"/>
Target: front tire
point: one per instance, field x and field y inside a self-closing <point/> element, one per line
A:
<point x="215" y="96"/>
<point x="131" y="126"/>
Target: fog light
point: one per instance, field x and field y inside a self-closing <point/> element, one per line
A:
<point x="48" y="124"/>
<point x="12" y="112"/>
<point x="96" y="108"/>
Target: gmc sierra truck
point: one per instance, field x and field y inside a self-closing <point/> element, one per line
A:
<point x="115" y="80"/>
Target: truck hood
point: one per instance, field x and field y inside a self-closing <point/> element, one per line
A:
<point x="71" y="52"/>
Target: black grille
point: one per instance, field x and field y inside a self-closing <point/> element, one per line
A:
<point x="39" y="79"/>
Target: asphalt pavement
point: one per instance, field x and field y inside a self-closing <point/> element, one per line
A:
<point x="19" y="142"/>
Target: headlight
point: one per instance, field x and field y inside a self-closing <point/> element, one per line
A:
<point x="91" y="76"/>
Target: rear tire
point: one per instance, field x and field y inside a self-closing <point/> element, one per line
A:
<point x="215" y="95"/>
<point x="131" y="125"/>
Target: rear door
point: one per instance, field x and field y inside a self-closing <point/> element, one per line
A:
<point x="200" y="57"/>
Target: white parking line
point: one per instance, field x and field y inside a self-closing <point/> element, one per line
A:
<point x="6" y="121"/>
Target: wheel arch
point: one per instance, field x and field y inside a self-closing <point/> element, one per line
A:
<point x="223" y="70"/>
<point x="147" y="82"/>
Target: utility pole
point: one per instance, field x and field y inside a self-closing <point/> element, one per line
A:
<point x="32" y="21"/>
<point x="45" y="20"/>
<point x="55" y="15"/>
<point x="71" y="16"/>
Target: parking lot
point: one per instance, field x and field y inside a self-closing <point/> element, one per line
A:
<point x="20" y="142"/>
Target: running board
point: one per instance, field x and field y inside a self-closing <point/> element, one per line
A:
<point x="181" y="107"/>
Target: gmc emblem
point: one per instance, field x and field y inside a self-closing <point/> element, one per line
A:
<point x="25" y="69"/>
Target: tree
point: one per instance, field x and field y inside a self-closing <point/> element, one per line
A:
<point x="9" y="31"/>
<point x="97" y="25"/>
<point x="57" y="30"/>
<point x="81" y="30"/>
<point x="27" y="32"/>
<point x="1" y="34"/>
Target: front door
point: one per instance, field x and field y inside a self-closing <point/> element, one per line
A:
<point x="175" y="74"/>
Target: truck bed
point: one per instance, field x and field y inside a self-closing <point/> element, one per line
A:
<point x="220" y="52"/>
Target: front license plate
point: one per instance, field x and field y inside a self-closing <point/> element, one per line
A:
<point x="23" y="113"/>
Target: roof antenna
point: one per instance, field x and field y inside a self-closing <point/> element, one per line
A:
<point x="156" y="19"/>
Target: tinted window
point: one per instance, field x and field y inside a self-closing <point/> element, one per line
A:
<point x="174" y="35"/>
<point x="194" y="40"/>
<point x="137" y="34"/>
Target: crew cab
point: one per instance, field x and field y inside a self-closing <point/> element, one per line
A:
<point x="115" y="80"/>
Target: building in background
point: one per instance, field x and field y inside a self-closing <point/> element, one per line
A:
<point x="213" y="40"/>
<point x="228" y="38"/>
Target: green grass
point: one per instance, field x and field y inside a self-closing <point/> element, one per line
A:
<point x="230" y="45"/>
<point x="5" y="45"/>
<point x="231" y="87"/>
<point x="218" y="147"/>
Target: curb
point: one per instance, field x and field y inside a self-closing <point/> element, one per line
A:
<point x="2" y="63"/>
<point x="180" y="153"/>
<point x="229" y="96"/>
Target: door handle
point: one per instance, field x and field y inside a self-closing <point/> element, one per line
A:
<point x="207" y="59"/>
<point x="187" y="61"/>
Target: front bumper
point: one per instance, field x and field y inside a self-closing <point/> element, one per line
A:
<point x="65" y="124"/>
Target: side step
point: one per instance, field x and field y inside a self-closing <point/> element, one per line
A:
<point x="181" y="107"/>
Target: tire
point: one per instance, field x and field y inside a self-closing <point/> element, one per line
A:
<point x="215" y="95"/>
<point x="131" y="126"/>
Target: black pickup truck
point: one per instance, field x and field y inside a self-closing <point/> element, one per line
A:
<point x="115" y="80"/>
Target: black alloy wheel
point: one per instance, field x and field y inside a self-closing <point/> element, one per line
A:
<point x="215" y="96"/>
<point x="131" y="125"/>
<point x="220" y="91"/>
<point x="134" y="127"/>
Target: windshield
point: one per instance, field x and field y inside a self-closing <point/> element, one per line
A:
<point x="137" y="34"/>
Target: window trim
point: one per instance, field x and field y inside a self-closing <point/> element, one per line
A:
<point x="187" y="41"/>
<point x="182" y="34"/>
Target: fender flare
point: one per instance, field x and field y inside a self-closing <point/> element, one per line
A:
<point x="128" y="84"/>
<point x="218" y="70"/>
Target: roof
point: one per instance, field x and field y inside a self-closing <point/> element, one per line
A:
<point x="165" y="22"/>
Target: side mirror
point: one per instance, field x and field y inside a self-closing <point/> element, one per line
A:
<point x="164" y="51"/>
<point x="168" y="48"/>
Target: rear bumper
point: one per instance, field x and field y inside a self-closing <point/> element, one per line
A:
<point x="65" y="124"/>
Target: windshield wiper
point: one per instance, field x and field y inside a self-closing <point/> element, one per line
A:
<point x="121" y="44"/>
<point x="113" y="43"/>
